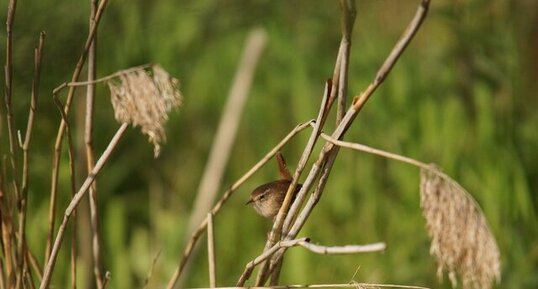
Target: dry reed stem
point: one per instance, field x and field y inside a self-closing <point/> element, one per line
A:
<point x="12" y="265"/>
<point x="355" y="285"/>
<point x="227" y="194"/>
<point x="461" y="239"/>
<point x="106" y="279"/>
<point x="22" y="246"/>
<point x="211" y="252"/>
<point x="227" y="128"/>
<point x="8" y="91"/>
<point x="75" y="201"/>
<point x="61" y="128"/>
<point x="90" y="156"/>
<point x="305" y="243"/>
<point x="7" y="242"/>
<point x="266" y="254"/>
<point x="349" y="12"/>
<point x="35" y="265"/>
<point x="374" y="151"/>
<point x="71" y="153"/>
<point x="150" y="273"/>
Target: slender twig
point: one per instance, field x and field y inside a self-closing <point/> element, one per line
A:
<point x="211" y="252"/>
<point x="70" y="149"/>
<point x="76" y="200"/>
<point x="313" y="138"/>
<point x="106" y="279"/>
<point x="349" y="13"/>
<point x="264" y="256"/>
<point x="35" y="265"/>
<point x="7" y="243"/>
<point x="150" y="273"/>
<point x="71" y="153"/>
<point x="348" y="249"/>
<point x="8" y="91"/>
<point x="38" y="54"/>
<point x="374" y="151"/>
<point x="349" y="285"/>
<point x="2" y="281"/>
<point x="395" y="54"/>
<point x="102" y="79"/>
<point x="61" y="128"/>
<point x="305" y="243"/>
<point x="28" y="279"/>
<point x="196" y="234"/>
<point x="8" y="73"/>
<point x="90" y="156"/>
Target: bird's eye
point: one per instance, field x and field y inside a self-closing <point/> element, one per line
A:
<point x="262" y="197"/>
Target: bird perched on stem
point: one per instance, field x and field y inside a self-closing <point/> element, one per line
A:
<point x="268" y="198"/>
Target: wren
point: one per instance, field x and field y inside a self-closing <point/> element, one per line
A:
<point x="268" y="198"/>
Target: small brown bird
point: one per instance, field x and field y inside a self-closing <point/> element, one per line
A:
<point x="268" y="198"/>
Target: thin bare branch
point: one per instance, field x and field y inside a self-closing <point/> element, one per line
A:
<point x="76" y="200"/>
<point x="349" y="249"/>
<point x="22" y="246"/>
<point x="266" y="254"/>
<point x="90" y="156"/>
<point x="13" y="280"/>
<point x="211" y="252"/>
<point x="374" y="151"/>
<point x="349" y="13"/>
<point x="150" y="273"/>
<point x="102" y="79"/>
<point x="395" y="54"/>
<point x="354" y="285"/>
<point x="35" y="265"/>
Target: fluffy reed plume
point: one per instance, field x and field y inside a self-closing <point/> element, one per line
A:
<point x="461" y="239"/>
<point x="144" y="98"/>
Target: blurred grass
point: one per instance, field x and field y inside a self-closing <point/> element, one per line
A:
<point x="462" y="96"/>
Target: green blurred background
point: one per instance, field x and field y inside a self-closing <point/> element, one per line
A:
<point x="463" y="96"/>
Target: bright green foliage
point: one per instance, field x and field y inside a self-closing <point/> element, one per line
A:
<point x="462" y="96"/>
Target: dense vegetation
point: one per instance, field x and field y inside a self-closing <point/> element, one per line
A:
<point x="462" y="96"/>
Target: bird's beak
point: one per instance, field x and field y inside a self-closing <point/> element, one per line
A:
<point x="249" y="201"/>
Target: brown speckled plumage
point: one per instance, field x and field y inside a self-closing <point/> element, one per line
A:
<point x="268" y="198"/>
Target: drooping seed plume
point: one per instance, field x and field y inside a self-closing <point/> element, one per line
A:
<point x="461" y="240"/>
<point x="143" y="98"/>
